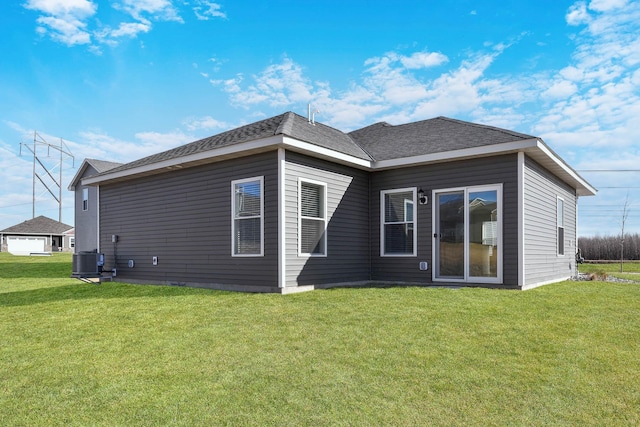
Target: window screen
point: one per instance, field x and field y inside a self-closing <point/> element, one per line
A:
<point x="247" y="217"/>
<point x="312" y="219"/>
<point x="85" y="199"/>
<point x="560" y="217"/>
<point x="398" y="235"/>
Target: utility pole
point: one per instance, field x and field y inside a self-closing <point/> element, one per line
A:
<point x="51" y="182"/>
<point x="625" y="214"/>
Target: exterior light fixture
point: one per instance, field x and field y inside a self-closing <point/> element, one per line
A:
<point x="422" y="198"/>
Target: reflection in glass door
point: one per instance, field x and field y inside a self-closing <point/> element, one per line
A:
<point x="467" y="235"/>
<point x="483" y="233"/>
<point x="450" y="235"/>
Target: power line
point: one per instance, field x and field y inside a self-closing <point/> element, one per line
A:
<point x="608" y="170"/>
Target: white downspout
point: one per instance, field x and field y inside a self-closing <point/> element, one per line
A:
<point x="521" y="234"/>
<point x="98" y="217"/>
<point x="282" y="244"/>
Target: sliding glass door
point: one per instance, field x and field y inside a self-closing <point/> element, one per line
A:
<point x="468" y="234"/>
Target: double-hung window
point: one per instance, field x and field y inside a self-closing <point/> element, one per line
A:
<point x="312" y="222"/>
<point x="85" y="199"/>
<point x="247" y="225"/>
<point x="398" y="224"/>
<point x="560" y="220"/>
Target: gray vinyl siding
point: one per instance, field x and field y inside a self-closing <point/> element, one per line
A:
<point x="183" y="217"/>
<point x="86" y="222"/>
<point x="347" y="258"/>
<point x="481" y="171"/>
<point x="542" y="264"/>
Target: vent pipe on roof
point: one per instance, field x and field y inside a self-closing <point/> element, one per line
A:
<point x="312" y="116"/>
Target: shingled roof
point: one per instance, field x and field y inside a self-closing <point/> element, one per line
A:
<point x="384" y="141"/>
<point x="378" y="146"/>
<point x="288" y="124"/>
<point x="102" y="165"/>
<point x="38" y="225"/>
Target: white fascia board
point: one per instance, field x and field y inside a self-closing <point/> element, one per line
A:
<point x="76" y="178"/>
<point x="317" y="151"/>
<point x="533" y="146"/>
<point x="448" y="156"/>
<point x="221" y="152"/>
<point x="587" y="190"/>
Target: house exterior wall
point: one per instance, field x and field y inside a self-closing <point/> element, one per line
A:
<point x="347" y="257"/>
<point x="481" y="171"/>
<point x="542" y="264"/>
<point x="183" y="218"/>
<point x="86" y="222"/>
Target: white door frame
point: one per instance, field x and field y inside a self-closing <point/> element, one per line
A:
<point x="435" y="250"/>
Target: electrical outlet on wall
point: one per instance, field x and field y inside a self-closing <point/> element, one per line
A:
<point x="154" y="260"/>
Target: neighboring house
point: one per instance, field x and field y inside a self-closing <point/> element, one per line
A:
<point x="86" y="204"/>
<point x="37" y="236"/>
<point x="285" y="205"/>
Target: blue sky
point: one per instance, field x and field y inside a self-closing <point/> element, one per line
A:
<point x="118" y="80"/>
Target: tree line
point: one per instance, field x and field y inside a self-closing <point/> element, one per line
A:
<point x="608" y="247"/>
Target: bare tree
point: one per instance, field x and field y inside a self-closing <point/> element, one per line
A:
<point x="625" y="214"/>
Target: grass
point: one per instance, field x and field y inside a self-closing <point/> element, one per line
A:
<point x="119" y="354"/>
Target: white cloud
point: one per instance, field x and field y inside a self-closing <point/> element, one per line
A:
<point x="206" y="123"/>
<point x="278" y="85"/>
<point x="64" y="20"/>
<point x="130" y="29"/>
<point x="154" y="142"/>
<point x="100" y="145"/>
<point x="423" y="60"/>
<point x="560" y="89"/>
<point x="606" y="5"/>
<point x="577" y="14"/>
<point x="393" y="88"/>
<point x="76" y="22"/>
<point x="597" y="96"/>
<point x="78" y="8"/>
<point x="204" y="10"/>
<point x="143" y="10"/>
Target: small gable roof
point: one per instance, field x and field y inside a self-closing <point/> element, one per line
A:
<point x="100" y="166"/>
<point x="38" y="225"/>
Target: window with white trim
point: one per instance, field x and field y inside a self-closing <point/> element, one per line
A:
<point x="247" y="225"/>
<point x="312" y="221"/>
<point x="85" y="199"/>
<point x="398" y="228"/>
<point x="560" y="224"/>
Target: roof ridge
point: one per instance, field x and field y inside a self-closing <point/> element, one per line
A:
<point x="286" y="125"/>
<point x="480" y="125"/>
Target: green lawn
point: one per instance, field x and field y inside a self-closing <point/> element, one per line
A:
<point x="116" y="354"/>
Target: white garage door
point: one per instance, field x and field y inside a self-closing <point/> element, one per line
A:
<point x="25" y="245"/>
